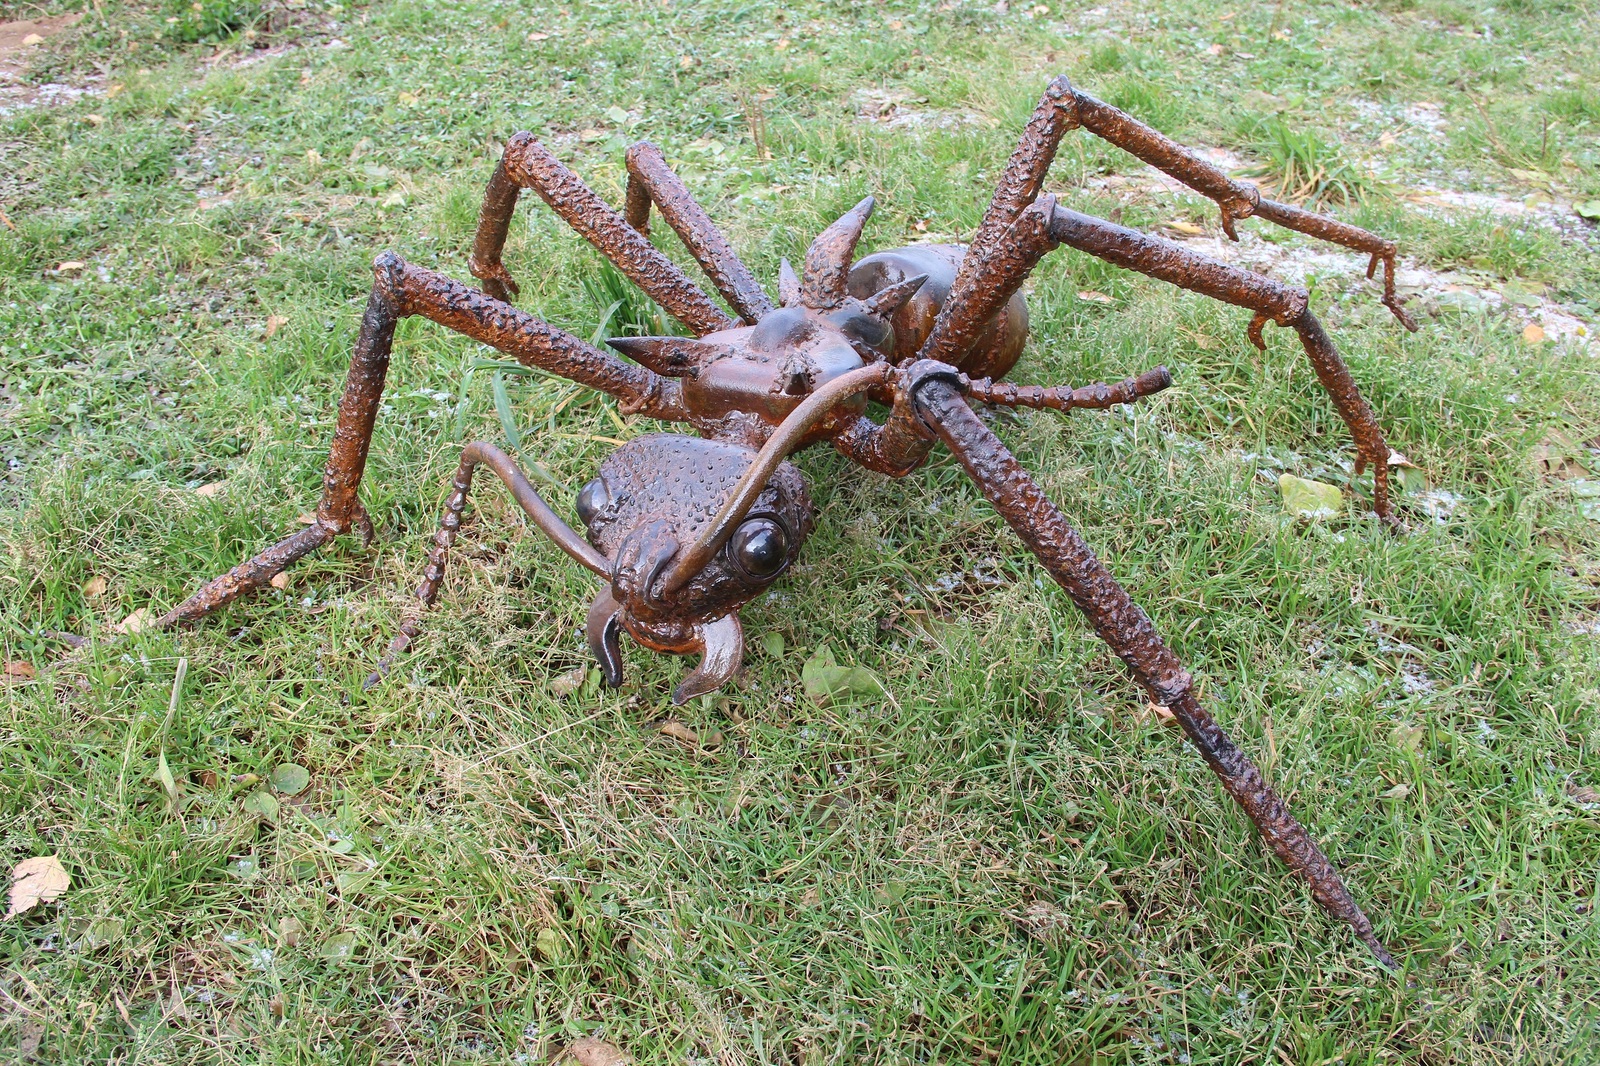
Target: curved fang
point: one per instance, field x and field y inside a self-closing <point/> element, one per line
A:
<point x="723" y="645"/>
<point x="604" y="630"/>
<point x="827" y="266"/>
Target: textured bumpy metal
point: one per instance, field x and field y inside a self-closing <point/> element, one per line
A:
<point x="685" y="530"/>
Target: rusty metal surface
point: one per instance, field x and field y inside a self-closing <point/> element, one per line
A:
<point x="651" y="180"/>
<point x="1130" y="633"/>
<point x="684" y="531"/>
<point x="531" y="165"/>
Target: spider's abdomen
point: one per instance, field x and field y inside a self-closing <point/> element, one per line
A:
<point x="1000" y="343"/>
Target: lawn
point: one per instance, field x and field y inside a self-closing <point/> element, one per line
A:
<point x="1009" y="857"/>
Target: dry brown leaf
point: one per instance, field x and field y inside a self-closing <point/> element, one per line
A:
<point x="306" y="518"/>
<point x="1188" y="229"/>
<point x="1162" y="713"/>
<point x="592" y="1052"/>
<point x="277" y="322"/>
<point x="94" y="588"/>
<point x="680" y="732"/>
<point x="134" y="622"/>
<point x="1557" y="457"/>
<point x="1533" y="334"/>
<point x="36" y="880"/>
<point x="1399" y="459"/>
<point x="208" y="491"/>
<point x="1582" y="793"/>
<point x="21" y="669"/>
<point x="5" y="220"/>
<point x="94" y="120"/>
<point x="71" y="266"/>
<point x="537" y="36"/>
<point x="280" y="581"/>
<point x="1095" y="297"/>
<point x="569" y="682"/>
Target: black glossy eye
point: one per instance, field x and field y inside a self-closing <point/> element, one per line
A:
<point x="760" y="548"/>
<point x="591" y="498"/>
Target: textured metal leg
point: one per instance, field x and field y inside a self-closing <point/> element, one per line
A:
<point x="494" y="222"/>
<point x="347" y="459"/>
<point x="1235" y="199"/>
<point x="1130" y="633"/>
<point x="651" y="180"/>
<point x="1270" y="300"/>
<point x="529" y="164"/>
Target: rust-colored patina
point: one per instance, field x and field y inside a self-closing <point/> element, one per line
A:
<point x="684" y="530"/>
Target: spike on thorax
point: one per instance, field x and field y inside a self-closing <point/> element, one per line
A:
<point x="827" y="265"/>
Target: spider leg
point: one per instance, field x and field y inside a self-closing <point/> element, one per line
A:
<point x="450" y="523"/>
<point x="527" y="164"/>
<point x="1044" y="225"/>
<point x="400" y="290"/>
<point x="935" y="393"/>
<point x="651" y="180"/>
<point x="1235" y="199"/>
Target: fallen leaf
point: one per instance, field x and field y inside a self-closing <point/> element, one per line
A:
<point x="32" y="39"/>
<point x="569" y="682"/>
<point x="1532" y="334"/>
<point x="1582" y="793"/>
<point x="591" y="1052"/>
<point x="94" y="588"/>
<point x="35" y="881"/>
<point x="306" y="518"/>
<point x="274" y="324"/>
<point x="5" y="220"/>
<point x="290" y="778"/>
<point x="1399" y="459"/>
<point x="772" y="644"/>
<point x="134" y="622"/>
<point x="548" y="944"/>
<point x="113" y="91"/>
<point x="1314" y="499"/>
<point x="1216" y="49"/>
<point x="208" y="491"/>
<point x="280" y="581"/>
<point x="536" y="36"/>
<point x="71" y="266"/>
<point x="21" y="669"/>
<point x="826" y="681"/>
<point x="407" y="99"/>
<point x="686" y="62"/>
<point x="1587" y="493"/>
<point x="263" y="803"/>
<point x="1096" y="297"/>
<point x="1589" y="209"/>
<point x="1407" y="737"/>
<point x="313" y="157"/>
<point x="680" y="732"/>
<point x="289" y="930"/>
<point x="169" y="784"/>
<point x="338" y="947"/>
<point x="1559" y="457"/>
<point x="94" y="120"/>
<point x="1188" y="229"/>
<point x="1398" y="792"/>
<point x="1163" y="714"/>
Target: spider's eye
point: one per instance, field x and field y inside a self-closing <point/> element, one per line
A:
<point x="591" y="498"/>
<point x="868" y="329"/>
<point x="760" y="548"/>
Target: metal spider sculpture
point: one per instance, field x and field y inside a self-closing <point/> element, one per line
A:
<point x="684" y="530"/>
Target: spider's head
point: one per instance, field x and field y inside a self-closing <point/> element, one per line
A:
<point x="818" y="333"/>
<point x="652" y="499"/>
<point x="821" y="293"/>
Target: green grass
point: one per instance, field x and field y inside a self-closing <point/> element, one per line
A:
<point x="1008" y="859"/>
